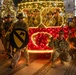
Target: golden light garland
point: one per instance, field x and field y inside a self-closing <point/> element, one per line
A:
<point x="33" y="37"/>
<point x="40" y="51"/>
<point x="40" y="4"/>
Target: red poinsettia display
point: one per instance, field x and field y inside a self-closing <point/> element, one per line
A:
<point x="39" y="37"/>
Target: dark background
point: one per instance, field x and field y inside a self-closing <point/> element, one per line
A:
<point x="16" y="2"/>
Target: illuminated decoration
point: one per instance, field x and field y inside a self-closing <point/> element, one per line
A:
<point x="7" y="8"/>
<point x="43" y="7"/>
<point x="39" y="37"/>
<point x="40" y="4"/>
<point x="40" y="33"/>
<point x="40" y="51"/>
<point x="38" y="42"/>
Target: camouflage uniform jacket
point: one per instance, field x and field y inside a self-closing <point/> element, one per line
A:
<point x="20" y="25"/>
<point x="59" y="45"/>
<point x="7" y="25"/>
<point x="7" y="29"/>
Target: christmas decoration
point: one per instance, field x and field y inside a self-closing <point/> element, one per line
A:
<point x="43" y="7"/>
<point x="39" y="37"/>
<point x="7" y="8"/>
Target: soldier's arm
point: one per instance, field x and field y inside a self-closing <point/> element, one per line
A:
<point x="27" y="27"/>
<point x="54" y="21"/>
<point x="51" y="42"/>
<point x="11" y="27"/>
<point x="72" y="45"/>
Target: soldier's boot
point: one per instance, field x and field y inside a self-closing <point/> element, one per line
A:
<point x="27" y="57"/>
<point x="53" y="65"/>
<point x="27" y="63"/>
<point x="73" y="57"/>
<point x="27" y="60"/>
<point x="12" y="65"/>
<point x="62" y="62"/>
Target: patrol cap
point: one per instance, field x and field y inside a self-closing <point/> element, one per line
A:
<point x="49" y="13"/>
<point x="20" y="16"/>
<point x="9" y="16"/>
<point x="58" y="10"/>
<point x="29" y="12"/>
<point x="36" y="10"/>
<point x="61" y="32"/>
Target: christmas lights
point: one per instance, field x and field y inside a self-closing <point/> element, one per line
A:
<point x="39" y="37"/>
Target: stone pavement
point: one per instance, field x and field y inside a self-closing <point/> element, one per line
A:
<point x="37" y="66"/>
<point x="5" y="64"/>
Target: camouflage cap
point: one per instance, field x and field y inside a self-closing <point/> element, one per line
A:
<point x="20" y="16"/>
<point x="49" y="13"/>
<point x="61" y="32"/>
<point x="58" y="10"/>
<point x="36" y="10"/>
<point x="9" y="16"/>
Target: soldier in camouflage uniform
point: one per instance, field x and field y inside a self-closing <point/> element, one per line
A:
<point x="61" y="49"/>
<point x="72" y="50"/>
<point x="1" y="28"/>
<point x="6" y="33"/>
<point x="29" y="20"/>
<point x="58" y="18"/>
<point x="36" y="19"/>
<point x="21" y="25"/>
<point x="33" y="18"/>
<point x="50" y="20"/>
